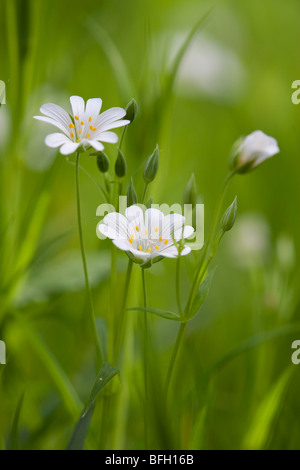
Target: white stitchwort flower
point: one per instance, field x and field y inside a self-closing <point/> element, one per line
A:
<point x="253" y="150"/>
<point x="85" y="127"/>
<point x="148" y="235"/>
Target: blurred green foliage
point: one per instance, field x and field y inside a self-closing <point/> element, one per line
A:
<point x="249" y="52"/>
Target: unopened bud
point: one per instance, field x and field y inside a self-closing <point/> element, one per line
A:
<point x="131" y="110"/>
<point x="120" y="166"/>
<point x="229" y="217"/>
<point x="151" y="167"/>
<point x="102" y="162"/>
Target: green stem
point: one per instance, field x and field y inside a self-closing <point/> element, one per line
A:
<point x="179" y="339"/>
<point x="145" y="360"/>
<point x="123" y="313"/>
<point x="203" y="260"/>
<point x="122" y="136"/>
<point x="87" y="284"/>
<point x="178" y="297"/>
<point x="145" y="193"/>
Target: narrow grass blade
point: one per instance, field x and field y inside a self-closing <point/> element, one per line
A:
<point x="161" y="313"/>
<point x="77" y="440"/>
<point x="260" y="429"/>
<point x="13" y="443"/>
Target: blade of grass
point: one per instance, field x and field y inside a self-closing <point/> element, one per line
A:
<point x="13" y="443"/>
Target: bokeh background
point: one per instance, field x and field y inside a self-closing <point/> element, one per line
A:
<point x="235" y="385"/>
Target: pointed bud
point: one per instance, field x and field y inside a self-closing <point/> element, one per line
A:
<point x="251" y="151"/>
<point x="120" y="166"/>
<point x="131" y="110"/>
<point x="131" y="194"/>
<point x="229" y="217"/>
<point x="190" y="192"/>
<point x="151" y="167"/>
<point x="102" y="162"/>
<point x="149" y="203"/>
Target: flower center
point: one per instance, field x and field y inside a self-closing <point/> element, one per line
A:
<point x="80" y="129"/>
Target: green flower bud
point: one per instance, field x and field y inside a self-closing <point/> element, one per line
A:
<point x="102" y="162"/>
<point x="229" y="217"/>
<point x="190" y="192"/>
<point x="131" y="194"/>
<point x="131" y="110"/>
<point x="151" y="167"/>
<point x="120" y="166"/>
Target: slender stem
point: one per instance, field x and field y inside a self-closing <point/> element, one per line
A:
<point x="145" y="360"/>
<point x="123" y="313"/>
<point x="145" y="193"/>
<point x="87" y="284"/>
<point x="203" y="261"/>
<point x="179" y="339"/>
<point x="122" y="136"/>
<point x="178" y="297"/>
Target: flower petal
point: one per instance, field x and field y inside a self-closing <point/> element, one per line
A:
<point x="94" y="143"/>
<point x="187" y="232"/>
<point x="93" y="107"/>
<point x="112" y="125"/>
<point x="77" y="104"/>
<point x="171" y="224"/>
<point x="56" y="113"/>
<point x="154" y="223"/>
<point x="122" y="244"/>
<point x="114" y="226"/>
<point x="69" y="147"/>
<point x="109" y="137"/>
<point x="56" y="140"/>
<point x="172" y="252"/>
<point x="51" y="121"/>
<point x="110" y="115"/>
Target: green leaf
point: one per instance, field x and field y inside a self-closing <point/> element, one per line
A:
<point x="77" y="440"/>
<point x="161" y="313"/>
<point x="201" y="295"/>
<point x="263" y="421"/>
<point x="106" y="373"/>
<point x="14" y="434"/>
<point x="80" y="431"/>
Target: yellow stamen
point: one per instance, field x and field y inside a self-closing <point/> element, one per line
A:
<point x="77" y="118"/>
<point x="137" y="229"/>
<point x="160" y="239"/>
<point x="91" y="127"/>
<point x="79" y="132"/>
<point x="82" y="123"/>
<point x="140" y="248"/>
<point x="132" y="237"/>
<point x="89" y="135"/>
<point x="149" y="250"/>
<point x="166" y="242"/>
<point x="90" y="118"/>
<point x="146" y="232"/>
<point x="156" y="230"/>
<point x="157" y="247"/>
<point x="72" y="134"/>
<point x="130" y="240"/>
<point x="94" y="129"/>
<point x="71" y="126"/>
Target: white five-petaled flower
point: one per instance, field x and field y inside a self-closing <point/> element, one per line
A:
<point x="146" y="235"/>
<point x="253" y="150"/>
<point x="85" y="127"/>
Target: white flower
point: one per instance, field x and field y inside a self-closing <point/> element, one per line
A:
<point x="146" y="235"/>
<point x="84" y="127"/>
<point x="253" y="150"/>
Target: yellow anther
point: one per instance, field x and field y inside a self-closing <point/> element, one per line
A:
<point x="156" y="230"/>
<point x="146" y="232"/>
<point x="132" y="237"/>
<point x="91" y="127"/>
<point x="137" y="229"/>
<point x="130" y="240"/>
<point x="160" y="239"/>
<point x="71" y="126"/>
<point x="157" y="247"/>
<point x="149" y="250"/>
<point x="82" y="123"/>
<point x="79" y="132"/>
<point x="140" y="248"/>
<point x="77" y="118"/>
<point x="89" y="135"/>
<point x="94" y="129"/>
<point x="166" y="242"/>
<point x="72" y="134"/>
<point x="90" y="118"/>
